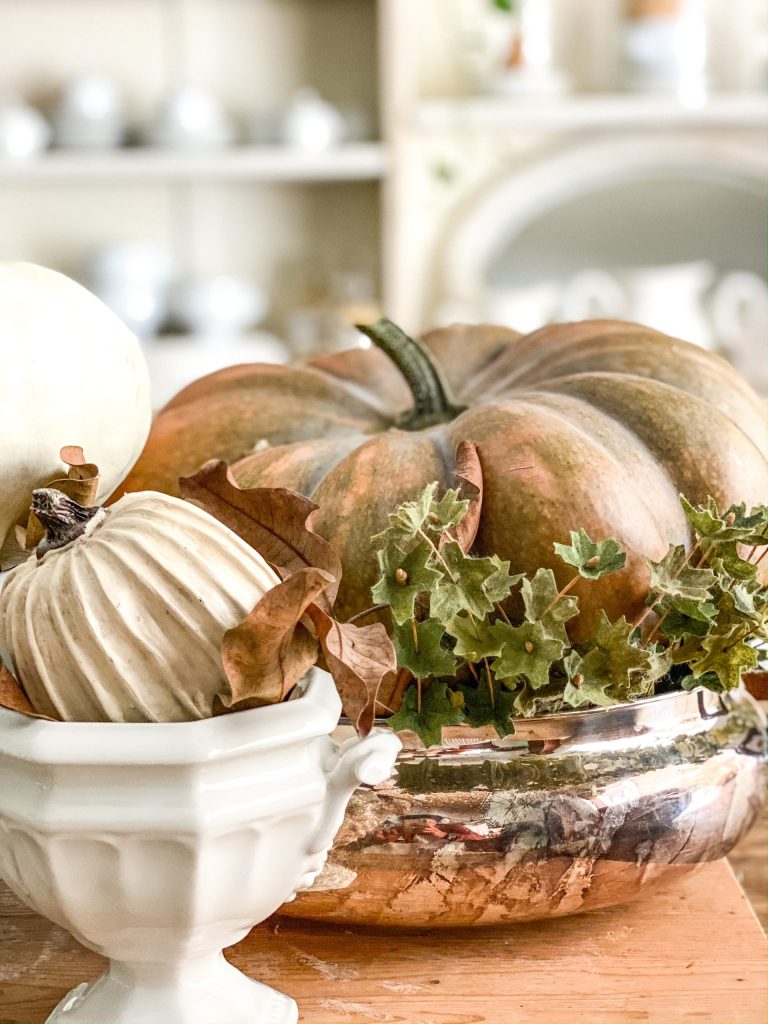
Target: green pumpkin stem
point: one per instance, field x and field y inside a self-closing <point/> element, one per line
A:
<point x="64" y="520"/>
<point x="432" y="399"/>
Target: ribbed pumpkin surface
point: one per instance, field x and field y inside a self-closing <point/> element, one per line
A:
<point x="125" y="623"/>
<point x="598" y="424"/>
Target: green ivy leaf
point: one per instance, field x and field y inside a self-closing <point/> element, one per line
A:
<point x="500" y="585"/>
<point x="677" y="625"/>
<point x="447" y="512"/>
<point x="465" y="591"/>
<point x="475" y="639"/>
<point x="529" y="701"/>
<point x="612" y="669"/>
<point x="437" y="710"/>
<point x="408" y="519"/>
<point x="727" y="655"/>
<point x="689" y="588"/>
<point x="591" y="559"/>
<point x="729" y="565"/>
<point x="480" y="711"/>
<point x="526" y="651"/>
<point x="539" y="596"/>
<point x="404" y="575"/>
<point x="733" y="525"/>
<point x="710" y="680"/>
<point x="425" y="656"/>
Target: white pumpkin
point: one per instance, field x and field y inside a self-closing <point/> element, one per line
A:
<point x="71" y="373"/>
<point x="124" y="624"/>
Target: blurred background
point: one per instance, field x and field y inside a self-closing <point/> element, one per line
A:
<point x="245" y="179"/>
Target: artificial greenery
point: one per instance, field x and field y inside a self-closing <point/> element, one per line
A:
<point x="474" y="661"/>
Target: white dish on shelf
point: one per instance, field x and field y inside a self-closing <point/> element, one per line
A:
<point x="312" y="123"/>
<point x="24" y="132"/>
<point x="89" y="114"/>
<point x="191" y="118"/>
<point x="174" y="361"/>
<point x="222" y="306"/>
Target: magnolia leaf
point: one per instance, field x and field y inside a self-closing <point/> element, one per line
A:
<point x="469" y="473"/>
<point x="270" y="650"/>
<point x="480" y="711"/>
<point x="81" y="484"/>
<point x="500" y="585"/>
<point x="612" y="669"/>
<point x="591" y="559"/>
<point x="404" y="575"/>
<point x="423" y="654"/>
<point x="526" y="651"/>
<point x="673" y="578"/>
<point x="358" y="658"/>
<point x="475" y="638"/>
<point x="727" y="655"/>
<point x="408" y="519"/>
<point x="464" y="590"/>
<point x="437" y="710"/>
<point x="542" y="604"/>
<point x="277" y="522"/>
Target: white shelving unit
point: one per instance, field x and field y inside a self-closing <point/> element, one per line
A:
<point x="598" y="111"/>
<point x="273" y="214"/>
<point x="354" y="162"/>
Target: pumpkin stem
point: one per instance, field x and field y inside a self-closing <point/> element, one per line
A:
<point x="64" y="520"/>
<point x="432" y="399"/>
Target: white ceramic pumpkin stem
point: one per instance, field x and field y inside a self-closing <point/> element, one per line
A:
<point x="64" y="520"/>
<point x="432" y="399"/>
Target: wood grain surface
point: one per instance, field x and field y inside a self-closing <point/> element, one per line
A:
<point x="693" y="954"/>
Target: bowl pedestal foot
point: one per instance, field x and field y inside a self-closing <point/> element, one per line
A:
<point x="195" y="991"/>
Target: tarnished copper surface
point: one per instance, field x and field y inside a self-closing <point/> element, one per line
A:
<point x="572" y="813"/>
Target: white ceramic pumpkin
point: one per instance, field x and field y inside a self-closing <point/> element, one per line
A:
<point x="124" y="624"/>
<point x="71" y="373"/>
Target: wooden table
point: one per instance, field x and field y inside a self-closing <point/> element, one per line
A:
<point x="694" y="954"/>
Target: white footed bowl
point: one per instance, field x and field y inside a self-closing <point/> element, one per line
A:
<point x="159" y="845"/>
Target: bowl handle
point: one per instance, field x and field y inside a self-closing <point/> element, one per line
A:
<point x="356" y="761"/>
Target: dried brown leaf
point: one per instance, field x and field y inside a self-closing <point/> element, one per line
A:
<point x="358" y="658"/>
<point x="81" y="484"/>
<point x="275" y="521"/>
<point x="12" y="695"/>
<point x="469" y="475"/>
<point x="270" y="650"/>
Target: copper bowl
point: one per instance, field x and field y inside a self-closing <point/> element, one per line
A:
<point x="574" y="812"/>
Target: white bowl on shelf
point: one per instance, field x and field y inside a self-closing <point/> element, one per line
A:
<point x="219" y="306"/>
<point x="175" y="361"/>
<point x="24" y="132"/>
<point x="191" y="118"/>
<point x="158" y="845"/>
<point x="89" y="114"/>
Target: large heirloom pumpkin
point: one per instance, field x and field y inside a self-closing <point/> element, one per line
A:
<point x="598" y="424"/>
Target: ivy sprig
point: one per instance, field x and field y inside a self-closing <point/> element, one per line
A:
<point x="485" y="645"/>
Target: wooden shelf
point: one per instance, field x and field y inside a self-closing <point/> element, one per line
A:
<point x="735" y="110"/>
<point x="355" y="162"/>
